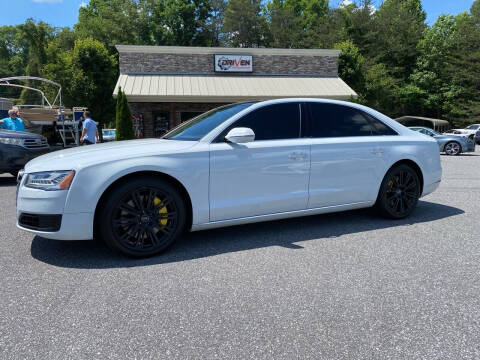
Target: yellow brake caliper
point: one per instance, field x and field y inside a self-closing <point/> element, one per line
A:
<point x="163" y="210"/>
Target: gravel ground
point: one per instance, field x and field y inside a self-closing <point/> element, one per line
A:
<point x="338" y="286"/>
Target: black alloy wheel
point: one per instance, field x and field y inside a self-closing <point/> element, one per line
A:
<point x="399" y="192"/>
<point x="142" y="217"/>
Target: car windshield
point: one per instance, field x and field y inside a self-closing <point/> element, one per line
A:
<point x="473" y="127"/>
<point x="108" y="132"/>
<point x="198" y="127"/>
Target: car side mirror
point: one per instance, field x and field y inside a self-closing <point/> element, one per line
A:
<point x="240" y="135"/>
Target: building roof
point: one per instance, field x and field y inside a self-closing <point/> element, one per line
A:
<point x="223" y="50"/>
<point x="211" y="88"/>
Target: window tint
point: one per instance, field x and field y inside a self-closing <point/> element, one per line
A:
<point x="332" y="120"/>
<point x="201" y="125"/>
<point x="379" y="128"/>
<point x="279" y="121"/>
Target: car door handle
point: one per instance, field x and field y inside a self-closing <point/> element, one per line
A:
<point x="297" y="156"/>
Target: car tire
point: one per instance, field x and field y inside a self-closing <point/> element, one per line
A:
<point x="142" y="217"/>
<point x="399" y="192"/>
<point x="452" y="148"/>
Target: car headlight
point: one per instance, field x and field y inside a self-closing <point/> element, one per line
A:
<point x="50" y="180"/>
<point x="10" y="141"/>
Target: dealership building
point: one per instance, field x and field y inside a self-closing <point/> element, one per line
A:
<point x="166" y="85"/>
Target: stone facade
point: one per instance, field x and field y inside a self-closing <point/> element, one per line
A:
<point x="144" y="63"/>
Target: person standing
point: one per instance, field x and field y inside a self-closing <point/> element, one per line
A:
<point x="90" y="131"/>
<point x="13" y="122"/>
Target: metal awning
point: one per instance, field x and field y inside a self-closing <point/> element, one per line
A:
<point x="211" y="88"/>
<point x="435" y="124"/>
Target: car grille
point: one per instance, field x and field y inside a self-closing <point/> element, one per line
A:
<point x="35" y="143"/>
<point x="40" y="222"/>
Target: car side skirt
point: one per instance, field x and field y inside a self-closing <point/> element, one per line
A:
<point x="283" y="215"/>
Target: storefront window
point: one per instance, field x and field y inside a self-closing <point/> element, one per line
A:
<point x="161" y="123"/>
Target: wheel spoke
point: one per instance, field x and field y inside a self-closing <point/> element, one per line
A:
<point x="124" y="221"/>
<point x="166" y="216"/>
<point x="140" y="238"/>
<point x="153" y="236"/>
<point x="131" y="210"/>
<point x="150" y="200"/>
<point x="411" y="186"/>
<point x="138" y="201"/>
<point x="408" y="179"/>
<point x="165" y="202"/>
<point x="163" y="229"/>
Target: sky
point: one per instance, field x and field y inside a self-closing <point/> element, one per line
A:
<point x="65" y="12"/>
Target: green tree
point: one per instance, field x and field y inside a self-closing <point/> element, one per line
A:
<point x="180" y="22"/>
<point x="124" y="123"/>
<point x="464" y="66"/>
<point x="398" y="27"/>
<point x="214" y="23"/>
<point x="351" y="65"/>
<point x="87" y="74"/>
<point x="111" y="22"/>
<point x="358" y="22"/>
<point x="429" y="92"/>
<point x="281" y="17"/>
<point x="246" y="24"/>
<point x="36" y="37"/>
<point x="13" y="59"/>
<point x="381" y="90"/>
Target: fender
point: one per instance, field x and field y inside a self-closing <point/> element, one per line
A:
<point x="192" y="174"/>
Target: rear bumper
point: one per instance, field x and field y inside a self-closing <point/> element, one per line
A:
<point x="469" y="146"/>
<point x="429" y="188"/>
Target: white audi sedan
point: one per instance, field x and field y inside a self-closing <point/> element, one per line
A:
<point x="236" y="164"/>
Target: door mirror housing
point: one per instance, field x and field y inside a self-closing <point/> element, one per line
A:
<point x="240" y="135"/>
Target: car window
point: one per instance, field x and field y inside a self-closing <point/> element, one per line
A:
<point x="271" y="122"/>
<point x="473" y="127"/>
<point x="379" y="127"/>
<point x="198" y="127"/>
<point x="332" y="120"/>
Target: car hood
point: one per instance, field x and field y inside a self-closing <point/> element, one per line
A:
<point x="78" y="157"/>
<point x="18" y="134"/>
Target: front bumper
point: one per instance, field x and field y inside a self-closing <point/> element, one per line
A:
<point x="73" y="227"/>
<point x="14" y="157"/>
<point x="469" y="146"/>
<point x="40" y="203"/>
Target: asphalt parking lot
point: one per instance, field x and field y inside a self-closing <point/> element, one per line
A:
<point x="338" y="286"/>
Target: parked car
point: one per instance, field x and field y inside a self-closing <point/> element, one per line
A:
<point x="477" y="137"/>
<point x="449" y="144"/>
<point x="469" y="130"/>
<point x="17" y="148"/>
<point x="236" y="164"/>
<point x="108" y="134"/>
